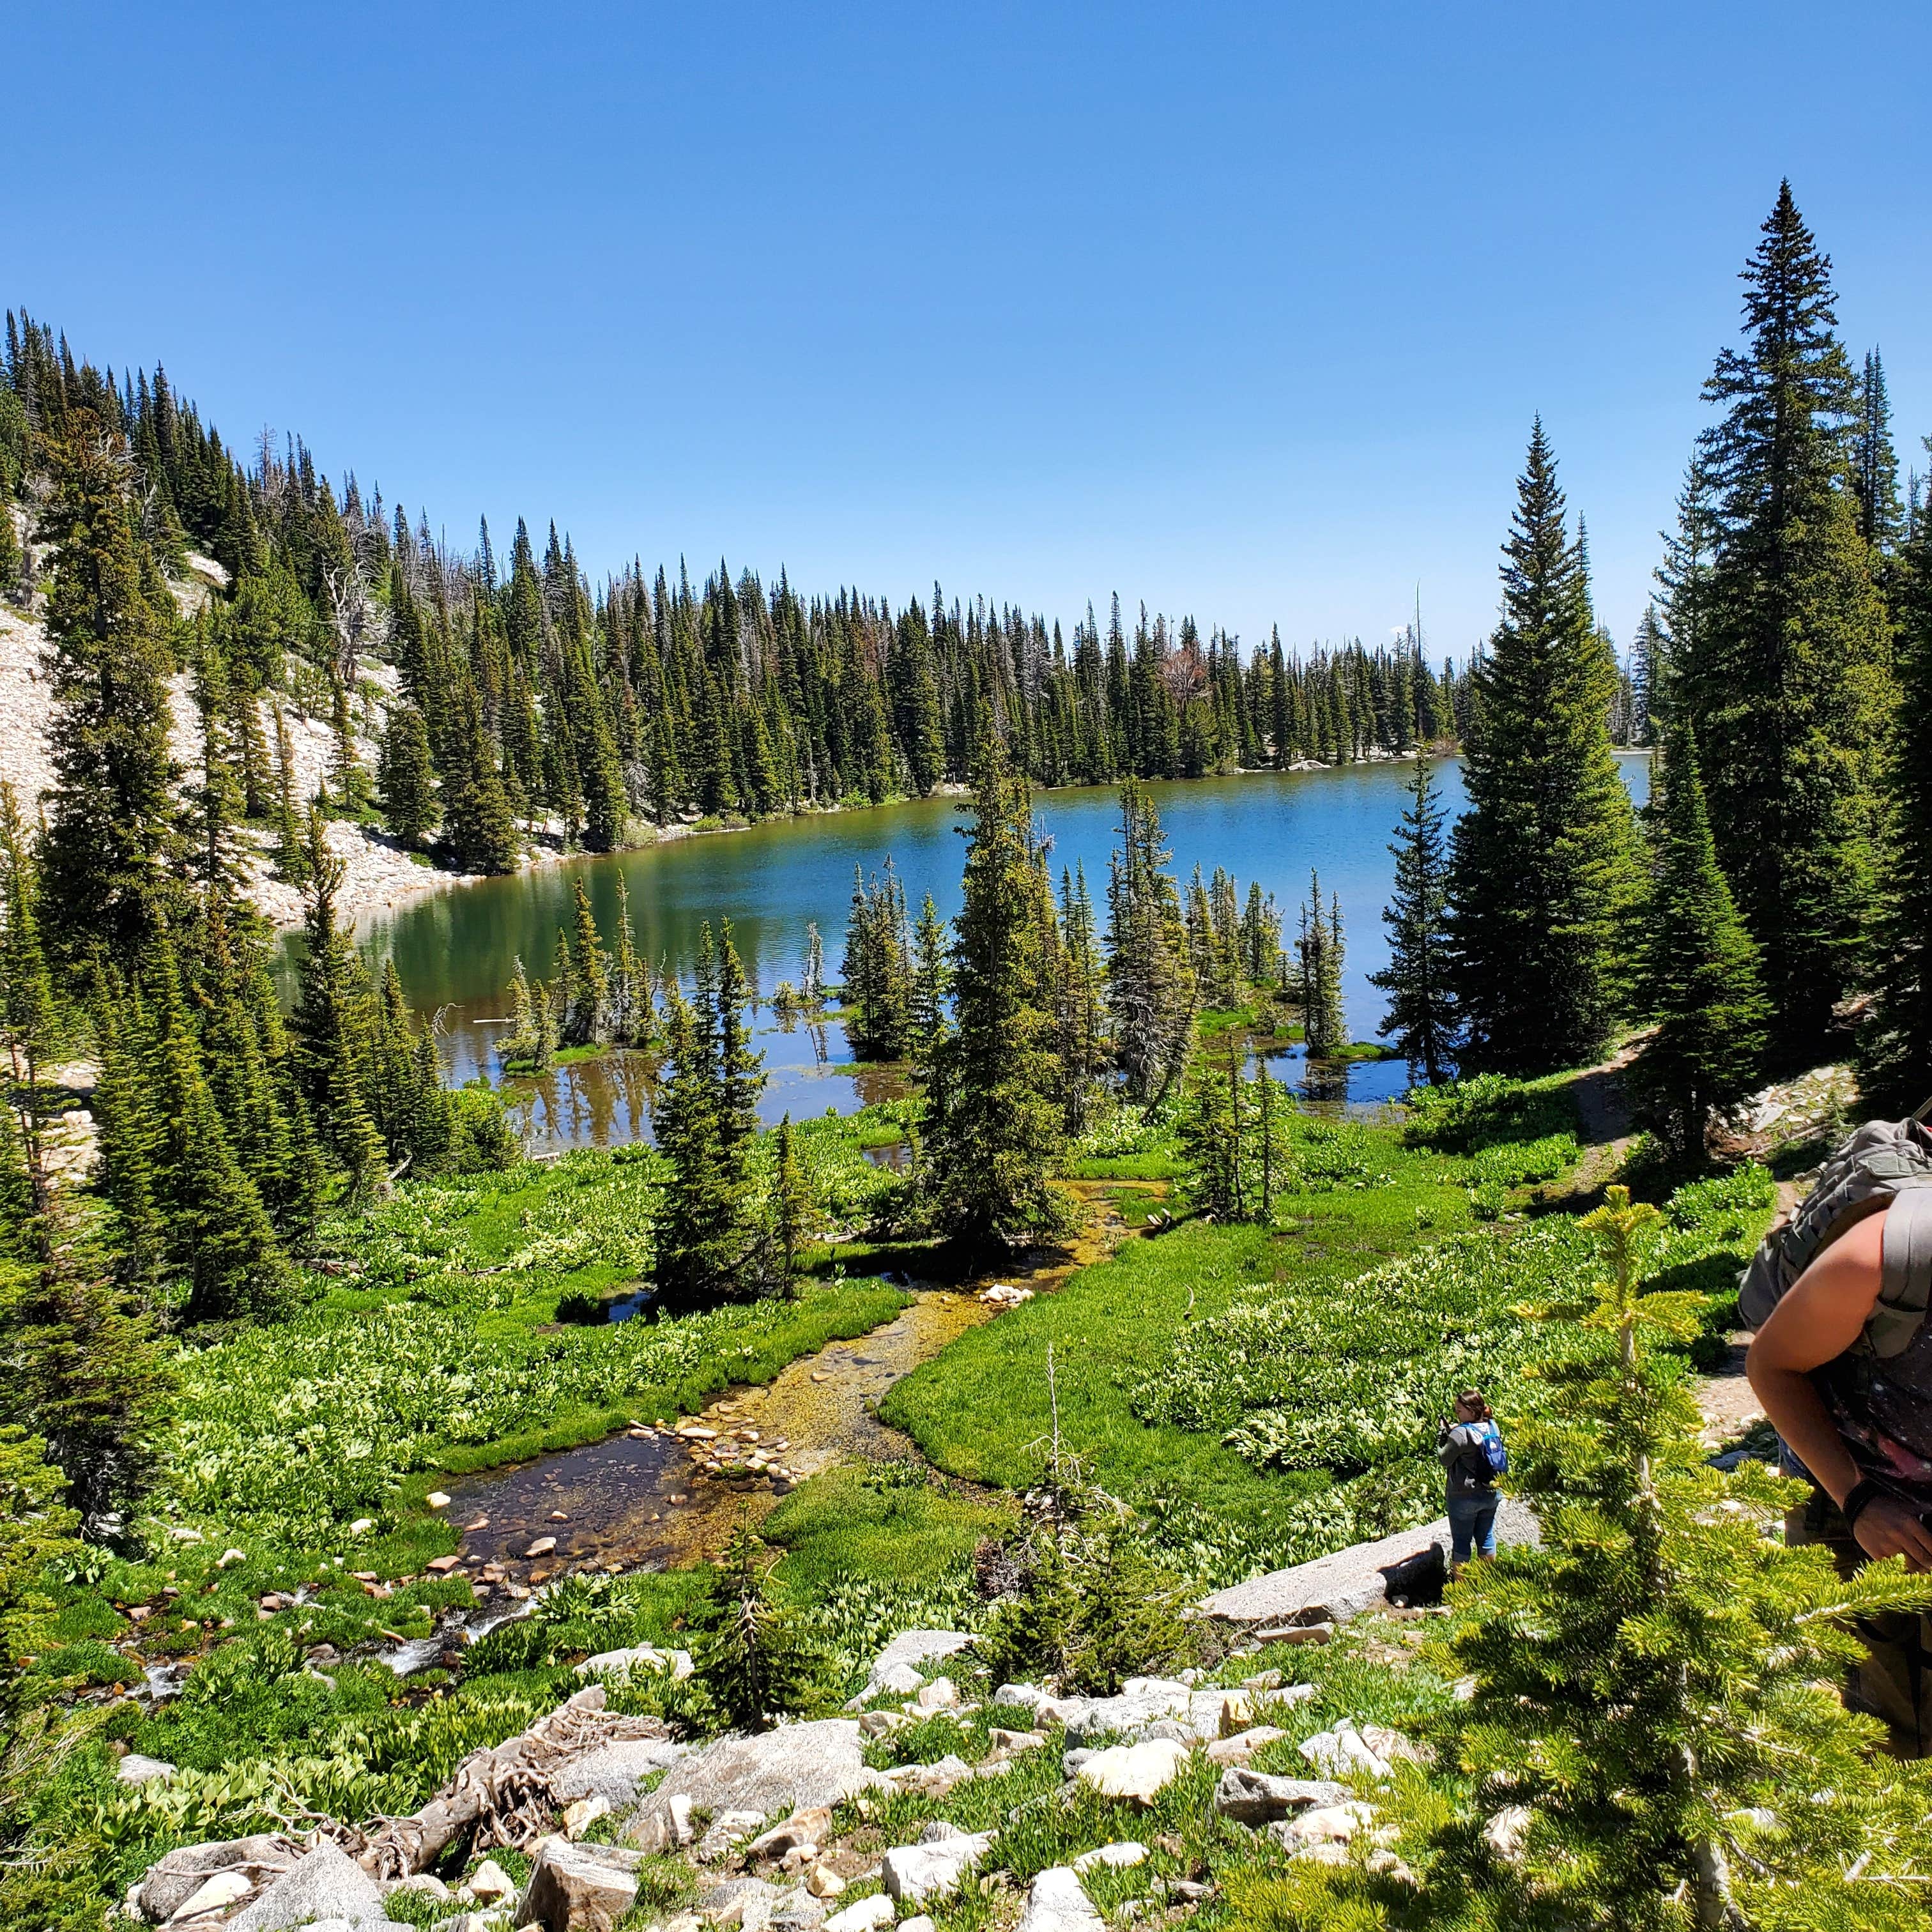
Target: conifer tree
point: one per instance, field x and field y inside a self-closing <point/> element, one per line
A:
<point x="406" y="777"/>
<point x="1785" y="681"/>
<point x="1421" y="1015"/>
<point x="877" y="968"/>
<point x="1542" y="872"/>
<point x="1650" y="1736"/>
<point x="587" y="1018"/>
<point x="290" y="864"/>
<point x="1325" y="1027"/>
<point x="1895" y="1047"/>
<point x="109" y="839"/>
<point x="1079" y="1010"/>
<point x="752" y="1656"/>
<point x="633" y="1017"/>
<point x="1215" y="1141"/>
<point x="330" y="1024"/>
<point x="1001" y="1131"/>
<point x="794" y="1212"/>
<point x="1150" y="987"/>
<point x="1699" y="979"/>
<point x="30" y="1024"/>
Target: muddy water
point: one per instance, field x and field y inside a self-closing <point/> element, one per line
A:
<point x="632" y="1502"/>
<point x="641" y="1500"/>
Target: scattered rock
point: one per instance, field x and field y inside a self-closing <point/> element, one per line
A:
<point x="215" y="1893"/>
<point x="1253" y="1797"/>
<point x="1347" y="1749"/>
<point x="746" y="1902"/>
<point x="929" y="1780"/>
<point x="908" y="1647"/>
<point x="881" y="1723"/>
<point x="1142" y="1702"/>
<point x="1137" y="1771"/>
<point x="781" y="1771"/>
<point x="662" y="1827"/>
<point x="868" y="1915"/>
<point x="323" y="1883"/>
<point x="1057" y="1903"/>
<point x="822" y="1882"/>
<point x="1016" y="1741"/>
<point x="1120" y="1857"/>
<point x="570" y="1891"/>
<point x="436" y="1499"/>
<point x="941" y="1694"/>
<point x="1316" y="1634"/>
<point x="1331" y="1824"/>
<point x="230" y="1556"/>
<point x="1241" y="1746"/>
<point x="425" y="1882"/>
<point x="490" y="1880"/>
<point x="583" y="1813"/>
<point x="913" y="1873"/>
<point x="918" y="1922"/>
<point x="172" y="1880"/>
<point x="1218" y="1714"/>
<point x="542" y="1547"/>
<point x="135" y="1769"/>
<point x="642" y="1659"/>
<point x="810" y="1826"/>
<point x="727" y="1831"/>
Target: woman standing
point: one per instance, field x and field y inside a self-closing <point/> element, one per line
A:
<point x="1471" y="1450"/>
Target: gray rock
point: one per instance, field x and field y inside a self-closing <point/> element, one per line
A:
<point x="1143" y="1702"/>
<point x="1253" y="1797"/>
<point x="324" y="1883"/>
<point x="1058" y="1902"/>
<point x="570" y="1891"/>
<point x="918" y="1922"/>
<point x="908" y="1647"/>
<point x="748" y="1902"/>
<point x="135" y="1769"/>
<point x="868" y="1915"/>
<point x="914" y="1873"/>
<point x="614" y="1772"/>
<point x="784" y="1770"/>
<point x="474" y="1921"/>
<point x="798" y="1911"/>
<point x="1020" y="1697"/>
<point x="644" y="1660"/>
<point x="1335" y="1589"/>
<point x="172" y="1881"/>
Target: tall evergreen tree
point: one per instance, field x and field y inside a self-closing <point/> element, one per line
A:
<point x="1895" y="1046"/>
<point x="1150" y="986"/>
<point x="406" y="777"/>
<point x="1700" y="979"/>
<point x="1421" y="1015"/>
<point x="1325" y="1025"/>
<point x="1542" y="870"/>
<point x="1786" y="681"/>
<point x="1002" y="1130"/>
<point x="109" y="839"/>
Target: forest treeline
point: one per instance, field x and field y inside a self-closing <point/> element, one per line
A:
<point x="523" y="695"/>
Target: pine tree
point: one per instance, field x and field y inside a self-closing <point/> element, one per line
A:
<point x="587" y="1019"/>
<point x="30" y="1024"/>
<point x="752" y="1658"/>
<point x="406" y="777"/>
<point x="1786" y="682"/>
<point x="1650" y="1737"/>
<point x="109" y="843"/>
<point x="1700" y="979"/>
<point x="1150" y="987"/>
<point x="1421" y="1015"/>
<point x="1001" y="1131"/>
<point x="330" y="1024"/>
<point x="1324" y="1027"/>
<point x="794" y="1212"/>
<point x="1543" y="871"/>
<point x="1875" y="462"/>
<point x="1079" y="1008"/>
<point x="290" y="864"/>
<point x="931" y="988"/>
<point x="1895" y="1047"/>
<point x="1215" y="1142"/>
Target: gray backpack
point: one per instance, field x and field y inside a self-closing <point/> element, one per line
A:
<point x="1885" y="1162"/>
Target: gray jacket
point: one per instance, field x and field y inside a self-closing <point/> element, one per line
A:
<point x="1459" y="1447"/>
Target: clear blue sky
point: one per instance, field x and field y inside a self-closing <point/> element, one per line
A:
<point x="1242" y="310"/>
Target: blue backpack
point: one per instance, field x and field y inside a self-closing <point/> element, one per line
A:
<point x="1494" y="1454"/>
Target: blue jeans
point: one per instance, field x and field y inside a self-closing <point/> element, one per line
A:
<point x="1472" y="1519"/>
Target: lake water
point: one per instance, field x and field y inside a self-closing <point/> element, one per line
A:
<point x="456" y="949"/>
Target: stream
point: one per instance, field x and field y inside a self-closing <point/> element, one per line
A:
<point x="642" y="1500"/>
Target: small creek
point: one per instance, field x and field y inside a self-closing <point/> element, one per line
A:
<point x="641" y="1501"/>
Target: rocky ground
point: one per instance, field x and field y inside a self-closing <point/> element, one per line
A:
<point x="1056" y="1813"/>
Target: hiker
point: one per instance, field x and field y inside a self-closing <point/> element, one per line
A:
<point x="1842" y="1361"/>
<point x="1470" y="1447"/>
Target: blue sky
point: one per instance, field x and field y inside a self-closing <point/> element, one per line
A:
<point x="1242" y="311"/>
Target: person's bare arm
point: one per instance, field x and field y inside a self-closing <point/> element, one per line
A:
<point x="1817" y="1321"/>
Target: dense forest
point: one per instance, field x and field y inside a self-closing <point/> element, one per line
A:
<point x="524" y="696"/>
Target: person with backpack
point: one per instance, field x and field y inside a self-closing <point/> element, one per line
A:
<point x="1470" y="1447"/>
<point x="1842" y="1361"/>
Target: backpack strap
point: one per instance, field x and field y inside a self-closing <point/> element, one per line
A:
<point x="1905" y="1288"/>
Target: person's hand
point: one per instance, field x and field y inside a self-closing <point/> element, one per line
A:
<point x="1886" y="1527"/>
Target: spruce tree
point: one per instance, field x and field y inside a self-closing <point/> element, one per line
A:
<point x="1001" y="1131"/>
<point x="587" y="1018"/>
<point x="1542" y="872"/>
<point x="1700" y="979"/>
<point x="1786" y="680"/>
<point x="1150" y="985"/>
<point x="109" y="842"/>
<point x="1421" y="1015"/>
<point x="1079" y="1004"/>
<point x="330" y="1024"/>
<point x="794" y="1212"/>
<point x="1324" y="1027"/>
<point x="1895" y="1046"/>
<point x="684" y="1123"/>
<point x="753" y="1658"/>
<point x="932" y="986"/>
<point x="406" y="777"/>
<point x="32" y="1027"/>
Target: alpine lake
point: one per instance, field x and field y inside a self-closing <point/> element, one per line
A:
<point x="456" y="949"/>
